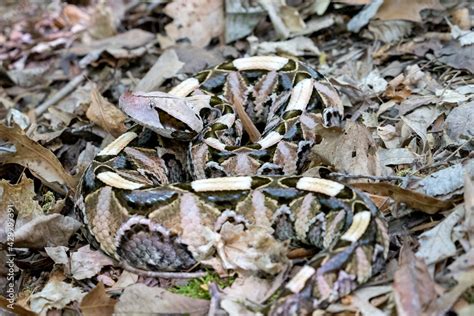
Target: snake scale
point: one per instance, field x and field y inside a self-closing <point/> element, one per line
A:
<point x="228" y="153"/>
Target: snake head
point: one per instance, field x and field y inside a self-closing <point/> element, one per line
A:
<point x="165" y="114"/>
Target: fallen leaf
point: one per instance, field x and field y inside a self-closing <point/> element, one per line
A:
<point x="298" y="46"/>
<point x="458" y="125"/>
<point x="352" y="150"/>
<point x="436" y="244"/>
<point x="56" y="294"/>
<point x="128" y="40"/>
<point x="241" y="18"/>
<point x="361" y="299"/>
<point x="139" y="299"/>
<point x="446" y="181"/>
<point x="106" y="115"/>
<point x="396" y="156"/>
<point x="389" y="31"/>
<point x="444" y="303"/>
<point x="413" y="286"/>
<point x="19" y="199"/>
<point x="86" y="263"/>
<point x="197" y="20"/>
<point x="362" y="18"/>
<point x="406" y="9"/>
<point x="42" y="162"/>
<point x="165" y="67"/>
<point x="97" y="302"/>
<point x="456" y="56"/>
<point x="416" y="200"/>
<point x="125" y="279"/>
<point x="7" y="310"/>
<point x="58" y="254"/>
<point x="46" y="231"/>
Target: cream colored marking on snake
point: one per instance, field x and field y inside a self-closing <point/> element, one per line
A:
<point x="222" y="184"/>
<point x="317" y="185"/>
<point x="260" y="62"/>
<point x="115" y="147"/>
<point x="115" y="180"/>
<point x="359" y="225"/>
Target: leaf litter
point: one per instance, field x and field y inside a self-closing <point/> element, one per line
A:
<point x="404" y="70"/>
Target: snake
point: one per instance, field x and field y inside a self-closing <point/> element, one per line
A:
<point x="219" y="171"/>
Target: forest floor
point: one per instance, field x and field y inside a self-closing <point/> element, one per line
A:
<point x="404" y="71"/>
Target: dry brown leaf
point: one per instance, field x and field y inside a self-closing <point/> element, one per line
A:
<point x="165" y="67"/>
<point x="351" y="150"/>
<point x="18" y="198"/>
<point x="413" y="199"/>
<point x="86" y="263"/>
<point x="406" y="9"/>
<point x="437" y="243"/>
<point x="46" y="230"/>
<point x="56" y="294"/>
<point x="139" y="299"/>
<point x="42" y="162"/>
<point x="97" y="302"/>
<point x="6" y="308"/>
<point x="106" y="115"/>
<point x="413" y="287"/>
<point x="197" y="20"/>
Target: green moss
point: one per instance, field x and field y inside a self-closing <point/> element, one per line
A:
<point x="49" y="201"/>
<point x="199" y="288"/>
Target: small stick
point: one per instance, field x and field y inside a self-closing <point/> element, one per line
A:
<point x="63" y="92"/>
<point x="164" y="275"/>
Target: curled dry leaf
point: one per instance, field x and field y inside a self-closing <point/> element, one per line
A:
<point x="139" y="299"/>
<point x="411" y="198"/>
<point x="86" y="263"/>
<point x="46" y="230"/>
<point x="56" y="294"/>
<point x="97" y="302"/>
<point x="42" y="162"/>
<point x="413" y="286"/>
<point x="106" y="115"/>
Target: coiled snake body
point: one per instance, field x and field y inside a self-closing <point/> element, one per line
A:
<point x="223" y="157"/>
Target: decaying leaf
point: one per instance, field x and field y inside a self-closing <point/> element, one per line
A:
<point x="411" y="198"/>
<point x="106" y="115"/>
<point x="458" y="125"/>
<point x="20" y="200"/>
<point x="352" y="150"/>
<point x="141" y="299"/>
<point x="413" y="286"/>
<point x="446" y="181"/>
<point x="42" y="162"/>
<point x="469" y="205"/>
<point x="46" y="230"/>
<point x="436" y="244"/>
<point x="58" y="254"/>
<point x="56" y="294"/>
<point x="86" y="263"/>
<point x="298" y="46"/>
<point x="97" y="302"/>
<point x="406" y="9"/>
<point x="165" y="67"/>
<point x="198" y="21"/>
